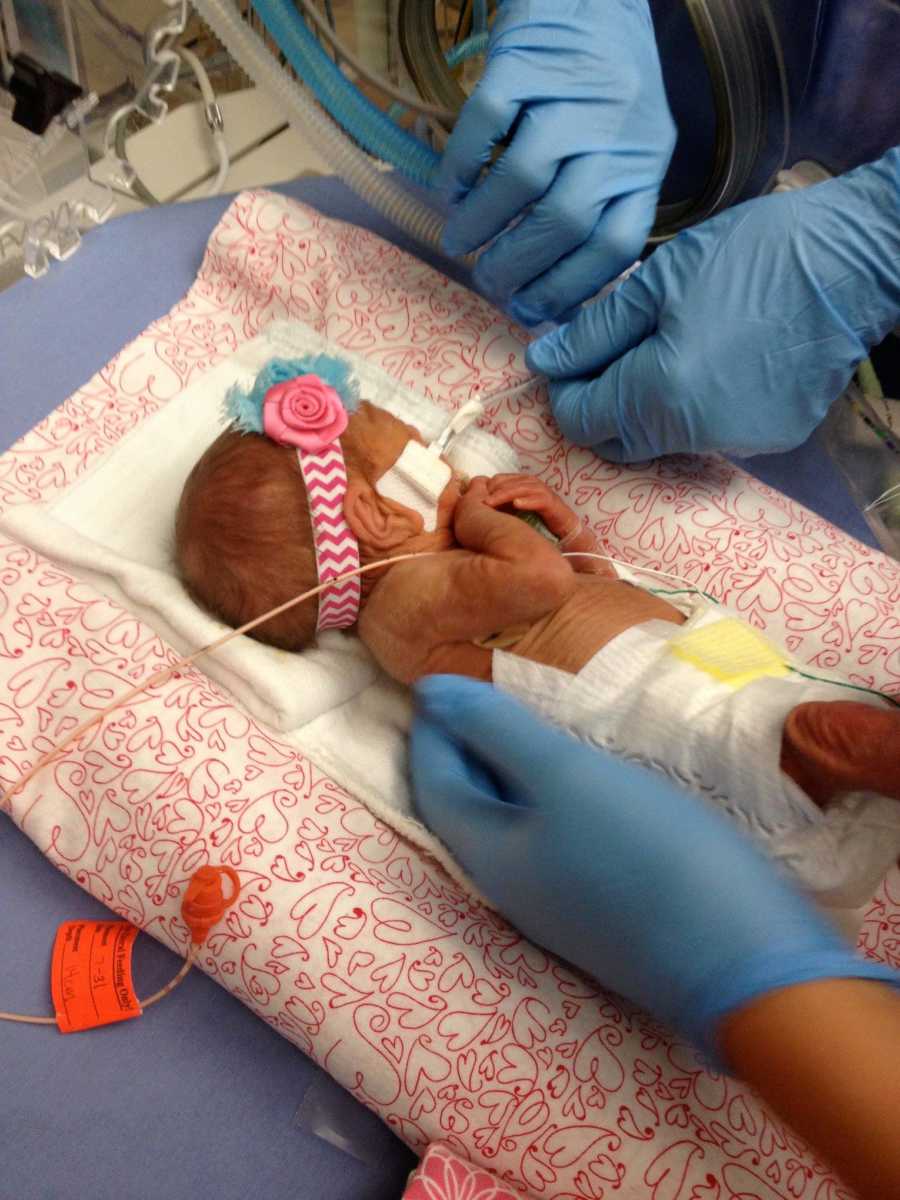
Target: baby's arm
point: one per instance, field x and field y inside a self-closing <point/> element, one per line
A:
<point x="424" y="616"/>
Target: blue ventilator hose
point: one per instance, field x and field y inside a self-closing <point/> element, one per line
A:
<point x="373" y="129"/>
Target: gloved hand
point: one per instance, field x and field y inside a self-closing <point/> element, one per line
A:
<point x="651" y="891"/>
<point x="739" y="334"/>
<point x="577" y="85"/>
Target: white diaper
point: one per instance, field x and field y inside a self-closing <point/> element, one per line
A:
<point x="705" y="702"/>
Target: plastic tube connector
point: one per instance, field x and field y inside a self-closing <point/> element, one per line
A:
<point x="460" y="421"/>
<point x="204" y="903"/>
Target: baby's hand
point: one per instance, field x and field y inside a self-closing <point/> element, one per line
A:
<point x="529" y="494"/>
<point x="482" y="525"/>
<point x="478" y="523"/>
<point x="476" y="490"/>
<point x="526" y="493"/>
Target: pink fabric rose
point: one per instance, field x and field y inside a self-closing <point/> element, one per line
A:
<point x="304" y="412"/>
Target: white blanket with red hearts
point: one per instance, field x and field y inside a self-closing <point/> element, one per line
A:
<point x="348" y="939"/>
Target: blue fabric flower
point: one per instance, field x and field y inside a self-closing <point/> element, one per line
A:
<point x="244" y="406"/>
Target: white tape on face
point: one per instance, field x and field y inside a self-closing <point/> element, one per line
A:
<point x="416" y="480"/>
<point x="418" y="477"/>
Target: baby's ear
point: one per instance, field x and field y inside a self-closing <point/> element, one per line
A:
<point x="378" y="524"/>
<point x="830" y="747"/>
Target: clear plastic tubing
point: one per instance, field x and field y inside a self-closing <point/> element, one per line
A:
<point x="507" y="393"/>
<point x="352" y="164"/>
<point x="476" y="44"/>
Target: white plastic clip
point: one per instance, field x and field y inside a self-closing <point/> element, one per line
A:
<point x="460" y="421"/>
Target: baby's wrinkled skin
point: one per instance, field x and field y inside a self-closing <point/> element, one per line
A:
<point x="244" y="545"/>
<point x="495" y="573"/>
<point x="498" y="574"/>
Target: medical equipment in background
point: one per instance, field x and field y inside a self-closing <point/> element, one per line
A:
<point x="72" y="74"/>
<point x="164" y="61"/>
<point x="52" y="119"/>
<point x="749" y="85"/>
<point x="862" y="433"/>
<point x="47" y="194"/>
<point x="754" y="87"/>
<point x="34" y="170"/>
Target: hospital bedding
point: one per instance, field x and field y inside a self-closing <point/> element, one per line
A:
<point x="347" y="939"/>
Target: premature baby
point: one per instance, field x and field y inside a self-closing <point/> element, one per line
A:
<point x="687" y="689"/>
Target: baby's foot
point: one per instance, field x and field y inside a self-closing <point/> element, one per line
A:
<point x="834" y="746"/>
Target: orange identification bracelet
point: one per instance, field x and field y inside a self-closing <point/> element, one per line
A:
<point x="90" y="969"/>
<point x="90" y="974"/>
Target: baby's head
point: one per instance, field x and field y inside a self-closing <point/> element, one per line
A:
<point x="244" y="537"/>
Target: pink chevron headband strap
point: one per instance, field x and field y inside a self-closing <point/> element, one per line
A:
<point x="306" y="413"/>
<point x="337" y="550"/>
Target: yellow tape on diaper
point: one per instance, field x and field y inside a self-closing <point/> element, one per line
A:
<point x="730" y="652"/>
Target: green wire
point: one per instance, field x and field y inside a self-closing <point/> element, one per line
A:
<point x="683" y="592"/>
<point x="855" y="687"/>
<point x="532" y="519"/>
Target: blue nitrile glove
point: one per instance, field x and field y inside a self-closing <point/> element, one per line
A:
<point x="737" y="335"/>
<point x="577" y="86"/>
<point x="651" y="891"/>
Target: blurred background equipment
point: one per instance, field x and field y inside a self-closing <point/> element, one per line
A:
<point x="367" y="85"/>
<point x="112" y="105"/>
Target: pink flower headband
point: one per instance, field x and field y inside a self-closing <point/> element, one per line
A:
<point x="304" y="412"/>
<point x="307" y="413"/>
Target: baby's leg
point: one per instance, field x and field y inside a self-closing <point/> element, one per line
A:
<point x="835" y="746"/>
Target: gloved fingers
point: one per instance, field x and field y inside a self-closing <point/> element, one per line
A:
<point x="486" y="118"/>
<point x="458" y="800"/>
<point x="562" y="220"/>
<point x="612" y="245"/>
<point x="510" y="745"/>
<point x="601" y="332"/>
<point x="442" y="771"/>
<point x="620" y="413"/>
<point x="519" y="177"/>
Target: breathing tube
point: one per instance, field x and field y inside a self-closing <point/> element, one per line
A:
<point x="742" y="52"/>
<point x="353" y="165"/>
<point x="739" y="43"/>
<point x="363" y="120"/>
<point x="470" y="48"/>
